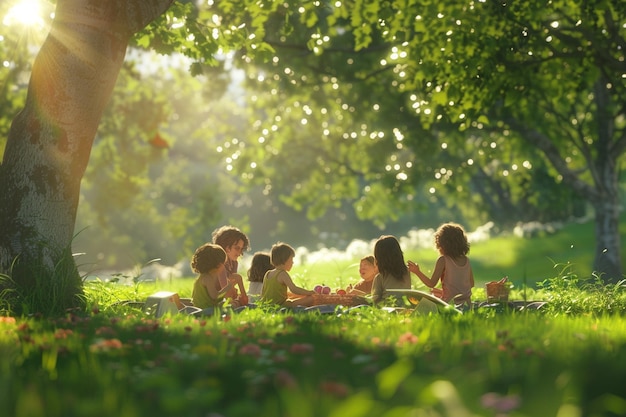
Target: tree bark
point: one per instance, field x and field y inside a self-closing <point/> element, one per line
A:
<point x="607" y="261"/>
<point x="50" y="141"/>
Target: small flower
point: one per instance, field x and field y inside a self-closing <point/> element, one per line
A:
<point x="284" y="379"/>
<point x="500" y="403"/>
<point x="105" y="345"/>
<point x="104" y="331"/>
<point x="7" y="320"/>
<point x="407" y="338"/>
<point x="250" y="349"/>
<point x="301" y="348"/>
<point x="62" y="333"/>
<point x="336" y="389"/>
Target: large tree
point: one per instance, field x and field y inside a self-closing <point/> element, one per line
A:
<point x="50" y="141"/>
<point x="549" y="75"/>
<point x="470" y="93"/>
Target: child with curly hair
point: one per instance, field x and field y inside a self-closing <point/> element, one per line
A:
<point x="452" y="267"/>
<point x="208" y="294"/>
<point x="235" y="243"/>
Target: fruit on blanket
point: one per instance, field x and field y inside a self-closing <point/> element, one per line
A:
<point x="318" y="289"/>
<point x="325" y="289"/>
<point x="341" y="292"/>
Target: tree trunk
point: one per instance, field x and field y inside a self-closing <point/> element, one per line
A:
<point x="50" y="140"/>
<point x="607" y="261"/>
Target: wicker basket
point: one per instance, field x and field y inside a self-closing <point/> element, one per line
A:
<point x="348" y="300"/>
<point x="497" y="291"/>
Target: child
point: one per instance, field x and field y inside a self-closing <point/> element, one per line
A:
<point x="234" y="242"/>
<point x="367" y="271"/>
<point x="277" y="281"/>
<point x="392" y="271"/>
<point x="208" y="262"/>
<point x="452" y="267"/>
<point x="259" y="265"/>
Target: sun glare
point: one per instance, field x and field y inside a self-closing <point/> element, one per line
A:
<point x="25" y="13"/>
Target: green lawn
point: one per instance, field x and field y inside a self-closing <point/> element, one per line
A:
<point x="567" y="359"/>
<point x="364" y="363"/>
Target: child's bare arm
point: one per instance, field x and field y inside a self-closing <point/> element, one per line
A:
<point x="237" y="281"/>
<point x="429" y="282"/>
<point x="286" y="279"/>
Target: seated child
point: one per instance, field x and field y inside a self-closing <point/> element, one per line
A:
<point x="367" y="271"/>
<point x="452" y="267"/>
<point x="259" y="265"/>
<point x="208" y="261"/>
<point x="277" y="281"/>
<point x="392" y="271"/>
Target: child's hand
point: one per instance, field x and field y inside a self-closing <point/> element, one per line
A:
<point x="413" y="267"/>
<point x="437" y="292"/>
<point x="235" y="279"/>
<point x="232" y="293"/>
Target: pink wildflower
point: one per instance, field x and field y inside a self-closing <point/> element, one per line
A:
<point x="301" y="348"/>
<point x="62" y="333"/>
<point x="407" y="338"/>
<point x="105" y="345"/>
<point x="500" y="403"/>
<point x="284" y="379"/>
<point x="105" y="330"/>
<point x="250" y="349"/>
<point x="337" y="389"/>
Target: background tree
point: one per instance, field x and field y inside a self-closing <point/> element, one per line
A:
<point x="526" y="87"/>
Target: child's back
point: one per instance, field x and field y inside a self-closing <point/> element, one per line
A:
<point x="273" y="290"/>
<point x="456" y="281"/>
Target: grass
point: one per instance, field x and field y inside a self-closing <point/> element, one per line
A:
<point x="117" y="361"/>
<point x="567" y="359"/>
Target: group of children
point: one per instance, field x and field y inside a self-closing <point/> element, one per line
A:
<point x="216" y="264"/>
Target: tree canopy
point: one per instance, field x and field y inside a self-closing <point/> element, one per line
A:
<point x="382" y="103"/>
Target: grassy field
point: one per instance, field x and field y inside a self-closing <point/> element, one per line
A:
<point x="567" y="359"/>
<point x="117" y="361"/>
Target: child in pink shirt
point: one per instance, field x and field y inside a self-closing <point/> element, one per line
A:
<point x="452" y="267"/>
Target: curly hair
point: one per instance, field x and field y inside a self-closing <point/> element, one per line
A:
<point x="451" y="240"/>
<point x="207" y="257"/>
<point x="259" y="266"/>
<point x="389" y="257"/>
<point x="227" y="236"/>
<point x="280" y="253"/>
